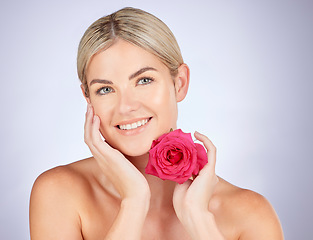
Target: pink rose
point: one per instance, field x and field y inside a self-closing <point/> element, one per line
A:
<point x="174" y="156"/>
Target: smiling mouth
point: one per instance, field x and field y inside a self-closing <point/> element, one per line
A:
<point x="134" y="125"/>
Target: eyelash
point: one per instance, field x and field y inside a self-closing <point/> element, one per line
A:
<point x="106" y="87"/>
<point x="150" y="80"/>
<point x="145" y="78"/>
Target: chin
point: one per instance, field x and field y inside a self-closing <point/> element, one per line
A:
<point x="135" y="155"/>
<point x="132" y="148"/>
<point x="135" y="152"/>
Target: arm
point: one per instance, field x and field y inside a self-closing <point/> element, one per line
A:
<point x="55" y="205"/>
<point x="129" y="182"/>
<point x="251" y="214"/>
<point x="201" y="225"/>
<point x="129" y="222"/>
<point x="191" y="199"/>
<point x="55" y="198"/>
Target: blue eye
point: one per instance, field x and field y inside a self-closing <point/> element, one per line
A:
<point x="144" y="81"/>
<point x="104" y="90"/>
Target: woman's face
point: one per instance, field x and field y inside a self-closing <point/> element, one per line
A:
<point x="133" y="93"/>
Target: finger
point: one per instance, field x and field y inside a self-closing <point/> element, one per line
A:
<point x="89" y="126"/>
<point x="211" y="149"/>
<point x="95" y="129"/>
<point x="179" y="194"/>
<point x="205" y="174"/>
<point x="182" y="188"/>
<point x="101" y="147"/>
<point x="93" y="138"/>
<point x="88" y="123"/>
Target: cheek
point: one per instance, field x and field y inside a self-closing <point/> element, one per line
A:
<point x="104" y="111"/>
<point x="164" y="102"/>
<point x="163" y="96"/>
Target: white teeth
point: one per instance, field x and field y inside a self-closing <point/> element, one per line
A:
<point x="133" y="125"/>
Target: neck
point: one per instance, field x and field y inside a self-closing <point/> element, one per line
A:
<point x="161" y="191"/>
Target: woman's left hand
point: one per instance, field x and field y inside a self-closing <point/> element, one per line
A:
<point x="191" y="199"/>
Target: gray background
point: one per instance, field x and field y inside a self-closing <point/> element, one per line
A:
<point x="251" y="83"/>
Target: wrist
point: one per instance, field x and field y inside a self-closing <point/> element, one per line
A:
<point x="194" y="215"/>
<point x="201" y="224"/>
<point x="138" y="204"/>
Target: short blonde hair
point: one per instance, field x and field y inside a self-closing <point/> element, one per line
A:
<point x="135" y="26"/>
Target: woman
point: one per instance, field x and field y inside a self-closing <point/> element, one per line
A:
<point x="133" y="75"/>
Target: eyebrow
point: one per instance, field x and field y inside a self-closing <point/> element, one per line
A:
<point x="140" y="71"/>
<point x="100" y="81"/>
<point x="137" y="73"/>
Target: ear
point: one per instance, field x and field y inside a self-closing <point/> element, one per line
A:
<point x="84" y="93"/>
<point x="182" y="82"/>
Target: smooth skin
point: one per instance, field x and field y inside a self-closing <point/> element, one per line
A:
<point x="109" y="196"/>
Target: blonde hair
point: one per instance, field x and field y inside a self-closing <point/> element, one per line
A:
<point x="135" y="26"/>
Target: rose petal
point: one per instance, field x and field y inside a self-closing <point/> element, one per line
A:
<point x="201" y="156"/>
<point x="174" y="156"/>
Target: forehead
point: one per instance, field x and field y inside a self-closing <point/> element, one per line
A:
<point x="121" y="60"/>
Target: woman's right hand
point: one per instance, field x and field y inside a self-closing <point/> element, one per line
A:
<point x="126" y="178"/>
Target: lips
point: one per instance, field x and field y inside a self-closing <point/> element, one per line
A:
<point x="134" y="125"/>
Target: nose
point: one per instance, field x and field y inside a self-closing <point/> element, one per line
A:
<point x="128" y="101"/>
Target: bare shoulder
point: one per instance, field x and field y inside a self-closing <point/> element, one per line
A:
<point x="253" y="214"/>
<point x="64" y="180"/>
<point x="55" y="201"/>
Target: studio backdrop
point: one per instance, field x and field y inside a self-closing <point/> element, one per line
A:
<point x="251" y="93"/>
